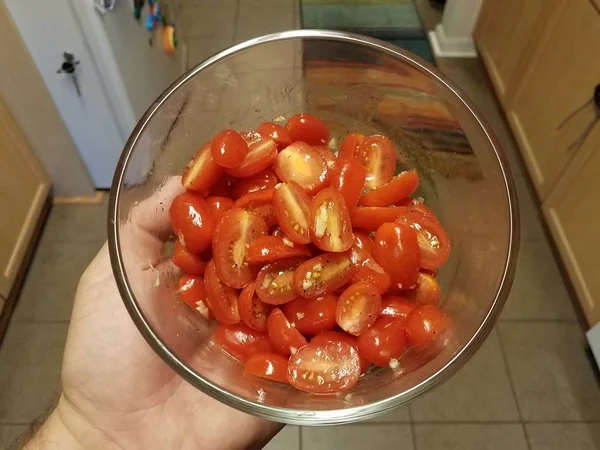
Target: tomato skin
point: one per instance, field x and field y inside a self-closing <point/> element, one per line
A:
<point x="260" y="156"/>
<point x="253" y="312"/>
<point x="187" y="261"/>
<point x="358" y="308"/>
<point x="368" y="270"/>
<point x="371" y="218"/>
<point x="267" y="179"/>
<point x="242" y="342"/>
<point x="285" y="339"/>
<point x="221" y="188"/>
<point x="424" y="324"/>
<point x="327" y="154"/>
<point x="363" y="240"/>
<point x="228" y="149"/>
<point x="384" y="341"/>
<point x="342" y="336"/>
<point x="202" y="172"/>
<point x="378" y="156"/>
<point x="260" y="203"/>
<point x="348" y="177"/>
<point x="334" y="270"/>
<point x="397" y="251"/>
<point x="396" y="306"/>
<point x="272" y="248"/>
<point x="275" y="282"/>
<point x="331" y="229"/>
<point x="192" y="222"/>
<point x="222" y="301"/>
<point x="270" y="366"/>
<point x="427" y="291"/>
<point x="396" y="190"/>
<point x="218" y="206"/>
<point x="301" y="163"/>
<point x="434" y="244"/>
<point x="417" y="206"/>
<point x="312" y="316"/>
<point x="307" y="128"/>
<point x="324" y="368"/>
<point x="292" y="209"/>
<point x="279" y="134"/>
<point x="191" y="290"/>
<point x="350" y="146"/>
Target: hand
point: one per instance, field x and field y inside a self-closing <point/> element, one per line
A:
<point x="117" y="393"/>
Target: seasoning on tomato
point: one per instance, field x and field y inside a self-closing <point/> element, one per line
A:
<point x="331" y="228"/>
<point x="358" y="308"/>
<point x="275" y="282"/>
<point x="311" y="316"/>
<point x="434" y="244"/>
<point x="273" y="248"/>
<point x="222" y="301"/>
<point x="253" y="312"/>
<point x="286" y="340"/>
<point x="323" y="274"/>
<point x="292" y="209"/>
<point x="378" y="156"/>
<point x="390" y="193"/>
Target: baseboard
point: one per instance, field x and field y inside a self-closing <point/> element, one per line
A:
<point x="448" y="47"/>
<point x="93" y="200"/>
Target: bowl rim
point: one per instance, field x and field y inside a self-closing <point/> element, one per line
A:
<point x="313" y="417"/>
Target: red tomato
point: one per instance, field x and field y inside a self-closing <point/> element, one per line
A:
<point x="371" y="218"/>
<point x="424" y="324"/>
<point x="237" y="230"/>
<point x="348" y="177"/>
<point x="326" y="153"/>
<point x="331" y="229"/>
<point x="271" y="366"/>
<point x="396" y="306"/>
<point x="228" y="149"/>
<point x="364" y="241"/>
<point x="221" y="188"/>
<point x="202" y="171"/>
<point x="260" y="156"/>
<point x="301" y="163"/>
<point x="192" y="222"/>
<point x="222" y="301"/>
<point x="286" y="340"/>
<point x="251" y="137"/>
<point x="260" y="203"/>
<point x="434" y="244"/>
<point x="323" y="274"/>
<point x="394" y="191"/>
<point x="415" y="205"/>
<point x="324" y="368"/>
<point x="307" y="128"/>
<point x="427" y="291"/>
<point x="292" y="209"/>
<point x="187" y="261"/>
<point x="312" y="316"/>
<point x="274" y="283"/>
<point x="191" y="290"/>
<point x="277" y="231"/>
<point x="266" y="179"/>
<point x="242" y="342"/>
<point x="358" y="308"/>
<point x="341" y="336"/>
<point x="378" y="156"/>
<point x="368" y="270"/>
<point x="350" y="146"/>
<point x="253" y="311"/>
<point x="272" y="248"/>
<point x="218" y="206"/>
<point x="397" y="251"/>
<point x="279" y="134"/>
<point x="384" y="342"/>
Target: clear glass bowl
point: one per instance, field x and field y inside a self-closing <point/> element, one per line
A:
<point x="354" y="84"/>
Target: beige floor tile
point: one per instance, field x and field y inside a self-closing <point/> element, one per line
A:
<point x="209" y="21"/>
<point x="538" y="291"/>
<point x="287" y="3"/>
<point x="77" y="223"/>
<point x="560" y="436"/>
<point x="9" y="434"/>
<point x="551" y="373"/>
<point x="199" y="49"/>
<point x="30" y="360"/>
<point x="531" y="216"/>
<point x="470" y="437"/>
<point x="254" y="21"/>
<point x="50" y="286"/>
<point x="286" y="439"/>
<point x="480" y="391"/>
<point x="357" y="437"/>
<point x="400" y="414"/>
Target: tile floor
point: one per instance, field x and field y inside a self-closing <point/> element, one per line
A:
<point x="531" y="386"/>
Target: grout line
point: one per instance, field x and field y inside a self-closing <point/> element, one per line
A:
<point x="510" y="378"/>
<point x="235" y="22"/>
<point x="484" y="422"/>
<point x="527" y="442"/>
<point x="538" y="320"/>
<point x="413" y="436"/>
<point x="300" y="437"/>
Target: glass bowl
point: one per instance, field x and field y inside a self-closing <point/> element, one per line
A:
<point x="354" y="84"/>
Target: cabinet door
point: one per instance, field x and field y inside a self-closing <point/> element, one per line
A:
<point x="24" y="188"/>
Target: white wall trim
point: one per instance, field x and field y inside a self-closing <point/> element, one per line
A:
<point x="451" y="47"/>
<point x="593" y="338"/>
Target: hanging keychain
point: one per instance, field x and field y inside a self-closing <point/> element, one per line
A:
<point x="595" y="103"/>
<point x="170" y="38"/>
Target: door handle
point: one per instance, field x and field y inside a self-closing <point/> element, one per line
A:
<point x="68" y="67"/>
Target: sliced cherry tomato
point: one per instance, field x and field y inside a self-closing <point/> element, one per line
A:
<point x="397" y="251"/>
<point x="222" y="188"/>
<point x="192" y="222"/>
<point x="358" y="308"/>
<point x="202" y="171"/>
<point x="260" y="156"/>
<point x="279" y="134"/>
<point x="371" y="218"/>
<point x="331" y="228"/>
<point x="378" y="156"/>
<point x="251" y="137"/>
<point x="327" y="154"/>
<point x="253" y="311"/>
<point x="241" y="341"/>
<point x="364" y="241"/>
<point x="271" y="366"/>
<point x="368" y="270"/>
<point x="237" y="230"/>
<point x="191" y="290"/>
<point x="292" y="209"/>
<point x="424" y="324"/>
<point x="341" y="336"/>
<point x="324" y="368"/>
<point x="323" y="274"/>
<point x="394" y="191"/>
<point x="348" y="177"/>
<point x="272" y="248"/>
<point x="311" y="316"/>
<point x="396" y="306"/>
<point x="187" y="261"/>
<point x="218" y="206"/>
<point x="427" y="291"/>
<point x="260" y="203"/>
<point x="307" y="128"/>
<point x="275" y="282"/>
<point x="415" y="205"/>
<point x="434" y="244"/>
<point x="277" y="231"/>
<point x="222" y="301"/>
<point x="266" y="179"/>
<point x="384" y="342"/>
<point x="286" y="340"/>
<point x="228" y="149"/>
<point x="350" y="146"/>
<point x="301" y="163"/>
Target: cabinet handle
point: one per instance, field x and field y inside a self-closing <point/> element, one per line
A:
<point x="595" y="103"/>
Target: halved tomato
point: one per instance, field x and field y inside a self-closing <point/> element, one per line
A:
<point x="397" y="251"/>
<point x="253" y="311"/>
<point x="327" y="154"/>
<point x="260" y="203"/>
<point x="222" y="301"/>
<point x="427" y="291"/>
<point x="396" y="190"/>
<point x="192" y="222"/>
<point x="286" y="340"/>
<point x="270" y="366"/>
<point x="228" y="149"/>
<point x="292" y="209"/>
<point x="323" y="274"/>
<point x="272" y="248"/>
<point x="396" y="306"/>
<point x="418" y="206"/>
<point x="301" y="163"/>
<point x="384" y="342"/>
<point x="222" y="188"/>
<point x="311" y="316"/>
<point x="378" y="156"/>
<point x="424" y="324"/>
<point x="260" y="156"/>
<point x="307" y="128"/>
<point x="331" y="229"/>
<point x="368" y="270"/>
<point x="279" y="134"/>
<point x="275" y="282"/>
<point x="350" y="146"/>
<point x="202" y="171"/>
<point x="241" y="341"/>
<point x="266" y="179"/>
<point x="348" y="177"/>
<point x="237" y="230"/>
<point x="364" y="241"/>
<point x="434" y="244"/>
<point x="358" y="308"/>
<point x="191" y="290"/>
<point x="372" y="217"/>
<point x="342" y="336"/>
<point x="218" y="206"/>
<point x="187" y="261"/>
<point x="324" y="367"/>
